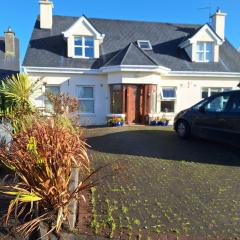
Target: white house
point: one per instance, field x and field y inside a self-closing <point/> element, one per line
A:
<point x="135" y="69"/>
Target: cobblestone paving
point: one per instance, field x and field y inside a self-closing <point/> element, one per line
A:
<point x="166" y="188"/>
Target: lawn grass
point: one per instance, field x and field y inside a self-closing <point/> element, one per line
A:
<point x="164" y="186"/>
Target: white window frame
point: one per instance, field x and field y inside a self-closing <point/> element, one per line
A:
<point x="83" y="47"/>
<point x="210" y="88"/>
<point x="204" y="52"/>
<point x="144" y="41"/>
<point x="87" y="99"/>
<point x="168" y="99"/>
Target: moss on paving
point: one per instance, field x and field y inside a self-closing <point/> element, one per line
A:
<point x="157" y="191"/>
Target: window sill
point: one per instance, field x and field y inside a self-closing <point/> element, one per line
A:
<point x="84" y="57"/>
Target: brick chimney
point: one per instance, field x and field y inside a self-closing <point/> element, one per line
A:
<point x="46" y="14"/>
<point x="10" y="42"/>
<point x="218" y="23"/>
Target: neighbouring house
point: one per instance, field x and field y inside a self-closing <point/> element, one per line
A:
<point x="9" y="56"/>
<point x="135" y="69"/>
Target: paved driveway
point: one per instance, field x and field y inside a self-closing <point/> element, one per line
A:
<point x="165" y="186"/>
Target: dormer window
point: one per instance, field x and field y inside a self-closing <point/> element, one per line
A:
<point x="204" y="52"/>
<point x="144" y="44"/>
<point x="84" y="47"/>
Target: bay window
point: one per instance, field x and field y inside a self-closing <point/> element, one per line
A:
<point x="85" y="95"/>
<point x="116" y="95"/>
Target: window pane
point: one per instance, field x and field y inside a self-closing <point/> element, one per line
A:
<point x="204" y="92"/>
<point x="89" y="42"/>
<point x="168" y="106"/>
<point x="209" y="47"/>
<point x="53" y="89"/>
<point x="214" y="91"/>
<point x="116" y="87"/>
<point x="218" y="104"/>
<point x="144" y="45"/>
<point x="226" y="89"/>
<point x="78" y="41"/>
<point x="89" y="52"/>
<point x="200" y="57"/>
<point x="84" y="92"/>
<point x="169" y="92"/>
<point x="209" y="56"/>
<point x="117" y="102"/>
<point x="200" y="47"/>
<point x="78" y="51"/>
<point x="86" y="106"/>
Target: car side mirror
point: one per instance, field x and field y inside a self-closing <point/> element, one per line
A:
<point x="201" y="109"/>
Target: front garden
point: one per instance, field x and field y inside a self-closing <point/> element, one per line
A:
<point x="47" y="161"/>
<point x="137" y="182"/>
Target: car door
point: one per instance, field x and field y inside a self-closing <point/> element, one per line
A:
<point x="232" y="120"/>
<point x="210" y="121"/>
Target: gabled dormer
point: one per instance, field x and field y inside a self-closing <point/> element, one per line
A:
<point x="204" y="45"/>
<point x="83" y="40"/>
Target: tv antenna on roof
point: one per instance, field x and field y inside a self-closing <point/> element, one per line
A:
<point x="209" y="9"/>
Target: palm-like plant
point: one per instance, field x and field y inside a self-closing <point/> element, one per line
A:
<point x="17" y="91"/>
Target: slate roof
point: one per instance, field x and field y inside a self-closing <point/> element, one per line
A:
<point x="8" y="64"/>
<point x="131" y="55"/>
<point x="48" y="48"/>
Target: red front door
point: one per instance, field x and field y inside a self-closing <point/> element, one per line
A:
<point x="134" y="103"/>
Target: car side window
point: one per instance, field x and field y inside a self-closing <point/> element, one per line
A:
<point x="217" y="104"/>
<point x="234" y="104"/>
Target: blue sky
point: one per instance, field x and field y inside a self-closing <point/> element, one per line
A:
<point x="21" y="14"/>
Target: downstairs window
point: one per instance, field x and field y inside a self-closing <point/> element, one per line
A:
<point x="85" y="95"/>
<point x="208" y="92"/>
<point x="168" y="96"/>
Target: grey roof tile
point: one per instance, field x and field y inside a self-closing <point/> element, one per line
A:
<point x="48" y="48"/>
<point x="131" y="55"/>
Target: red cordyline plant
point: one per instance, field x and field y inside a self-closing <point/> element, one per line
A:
<point x="63" y="103"/>
<point x="43" y="156"/>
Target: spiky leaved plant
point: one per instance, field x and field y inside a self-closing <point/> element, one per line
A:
<point x="18" y="90"/>
<point x="43" y="156"/>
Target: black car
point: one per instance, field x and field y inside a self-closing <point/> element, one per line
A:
<point x="216" y="118"/>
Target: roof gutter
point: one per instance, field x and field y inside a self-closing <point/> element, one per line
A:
<point x="110" y="69"/>
<point x="135" y="68"/>
<point x="204" y="74"/>
<point x="61" y="70"/>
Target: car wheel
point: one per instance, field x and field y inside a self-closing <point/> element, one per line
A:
<point x="183" y="129"/>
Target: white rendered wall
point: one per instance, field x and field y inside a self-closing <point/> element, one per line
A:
<point x="68" y="85"/>
<point x="188" y="89"/>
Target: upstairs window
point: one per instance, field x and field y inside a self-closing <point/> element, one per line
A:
<point x="84" y="47"/>
<point x="144" y="44"/>
<point x="204" y="52"/>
